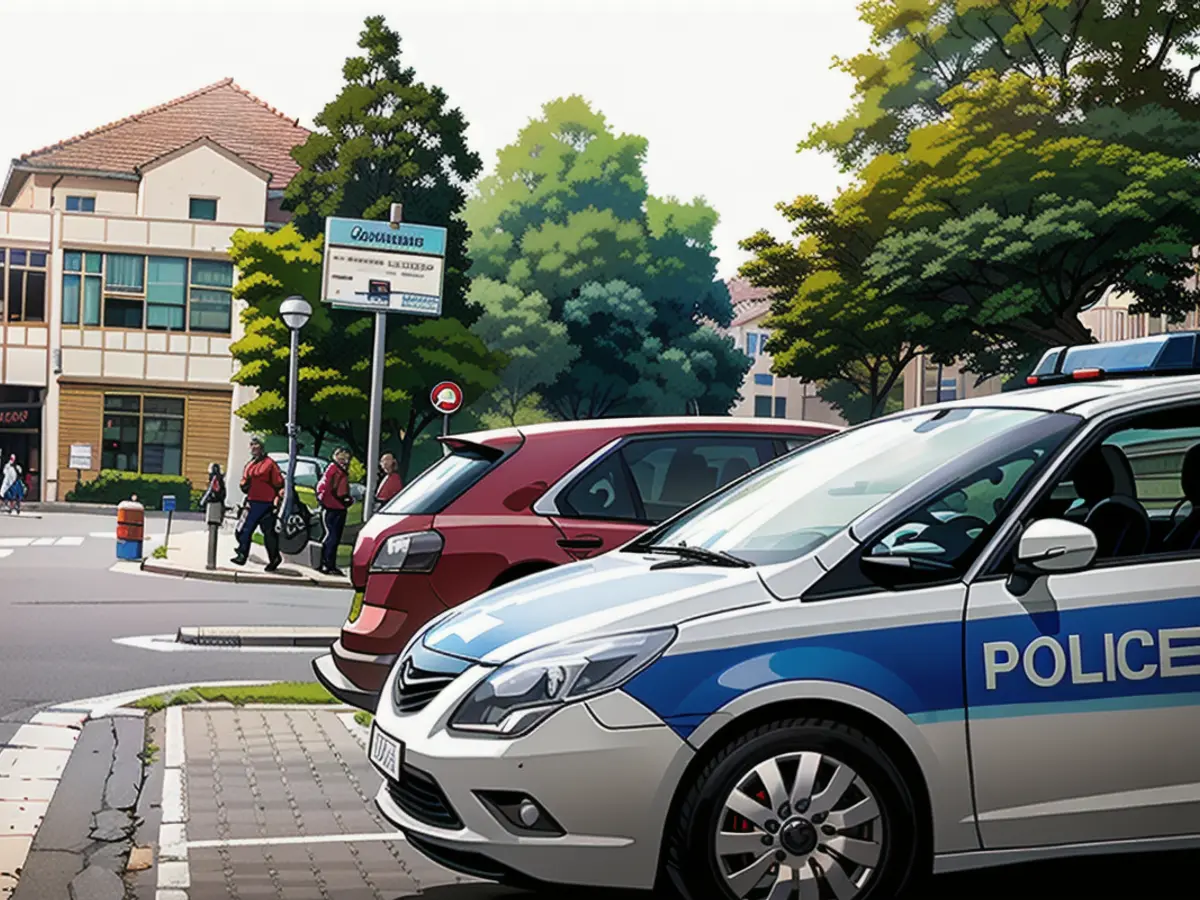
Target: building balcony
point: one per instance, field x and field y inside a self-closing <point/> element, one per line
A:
<point x="34" y="228"/>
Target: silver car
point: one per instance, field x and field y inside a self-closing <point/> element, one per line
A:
<point x="961" y="636"/>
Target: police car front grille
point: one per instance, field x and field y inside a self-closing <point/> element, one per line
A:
<point x="416" y="688"/>
<point x="419" y="795"/>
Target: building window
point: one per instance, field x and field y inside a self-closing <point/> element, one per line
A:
<point x="81" y="204"/>
<point x="166" y="293"/>
<point x="762" y="407"/>
<point x="162" y="293"/>
<point x="202" y="208"/>
<point x="122" y="418"/>
<point x="162" y="436"/>
<point x="82" y="287"/>
<point x="23" y="285"/>
<point x="211" y="296"/>
<point x="765" y="379"/>
<point x="781" y="407"/>
<point x="143" y="434"/>
<point x="752" y="344"/>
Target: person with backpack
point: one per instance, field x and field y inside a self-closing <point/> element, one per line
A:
<point x="262" y="483"/>
<point x="12" y="486"/>
<point x="333" y="495"/>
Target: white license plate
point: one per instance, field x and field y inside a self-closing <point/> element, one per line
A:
<point x="386" y="753"/>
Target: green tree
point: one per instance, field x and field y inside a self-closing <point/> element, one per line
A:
<point x="567" y="215"/>
<point x="386" y="138"/>
<point x="538" y="349"/>
<point x="335" y="359"/>
<point x="1026" y="158"/>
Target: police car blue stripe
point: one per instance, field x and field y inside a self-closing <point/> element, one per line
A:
<point x="1133" y="656"/>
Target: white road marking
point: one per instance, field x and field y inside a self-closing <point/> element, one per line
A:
<point x="394" y="837"/>
<point x="166" y="643"/>
<point x="15" y="542"/>
<point x="68" y="542"/>
<point x="4" y="553"/>
<point x="43" y="542"/>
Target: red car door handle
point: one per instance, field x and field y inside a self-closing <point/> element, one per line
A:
<point x="588" y="542"/>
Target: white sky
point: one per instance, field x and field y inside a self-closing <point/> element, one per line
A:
<point x="723" y="89"/>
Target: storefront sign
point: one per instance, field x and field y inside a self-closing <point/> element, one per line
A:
<point x="14" y="416"/>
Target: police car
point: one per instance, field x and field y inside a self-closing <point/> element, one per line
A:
<point x="960" y="636"/>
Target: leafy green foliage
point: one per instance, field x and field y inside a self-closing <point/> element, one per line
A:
<point x="567" y="218"/>
<point x="386" y="138"/>
<point x="112" y="486"/>
<point x="1014" y="162"/>
<point x="519" y="325"/>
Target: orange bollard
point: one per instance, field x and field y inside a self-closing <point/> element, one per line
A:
<point x="131" y="529"/>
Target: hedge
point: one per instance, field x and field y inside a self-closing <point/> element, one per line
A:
<point x="111" y="486"/>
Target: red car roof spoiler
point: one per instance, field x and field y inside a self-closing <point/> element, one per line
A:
<point x="488" y="451"/>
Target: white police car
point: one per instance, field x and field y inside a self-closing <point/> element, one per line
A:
<point x="965" y="635"/>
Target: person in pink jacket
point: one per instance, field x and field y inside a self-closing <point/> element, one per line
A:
<point x="333" y="494"/>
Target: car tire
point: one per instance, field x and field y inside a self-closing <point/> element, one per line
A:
<point x="881" y="857"/>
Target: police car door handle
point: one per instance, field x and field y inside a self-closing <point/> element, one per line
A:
<point x="585" y="542"/>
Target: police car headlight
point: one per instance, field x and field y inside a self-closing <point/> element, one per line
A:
<point x="417" y="552"/>
<point x="523" y="693"/>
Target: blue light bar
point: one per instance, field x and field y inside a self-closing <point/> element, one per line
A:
<point x="1177" y="353"/>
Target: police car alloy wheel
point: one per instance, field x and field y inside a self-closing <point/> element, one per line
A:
<point x="799" y="809"/>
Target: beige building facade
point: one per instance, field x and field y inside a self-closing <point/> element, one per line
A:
<point x="765" y="395"/>
<point x="117" y="289"/>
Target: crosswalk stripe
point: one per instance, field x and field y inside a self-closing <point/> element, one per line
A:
<point x="4" y="553"/>
<point x="43" y="542"/>
<point x="69" y="542"/>
<point x="15" y="542"/>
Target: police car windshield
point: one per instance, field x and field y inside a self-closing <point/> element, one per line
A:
<point x="793" y="506"/>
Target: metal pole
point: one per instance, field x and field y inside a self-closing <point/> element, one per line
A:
<point x="292" y="430"/>
<point x="375" y="424"/>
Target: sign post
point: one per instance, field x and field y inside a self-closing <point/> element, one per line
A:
<point x="168" y="505"/>
<point x="447" y="398"/>
<point x="80" y="458"/>
<point x="382" y="267"/>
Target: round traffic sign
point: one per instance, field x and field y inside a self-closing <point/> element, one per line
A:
<point x="446" y="398"/>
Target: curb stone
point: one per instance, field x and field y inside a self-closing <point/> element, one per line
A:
<point x="250" y="636"/>
<point x="241" y="577"/>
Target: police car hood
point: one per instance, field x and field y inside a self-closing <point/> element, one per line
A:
<point x="614" y="593"/>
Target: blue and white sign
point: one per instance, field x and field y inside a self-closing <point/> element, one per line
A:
<point x="168" y="503"/>
<point x="382" y="267"/>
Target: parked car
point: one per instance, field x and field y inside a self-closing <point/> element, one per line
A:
<point x="309" y="470"/>
<point x="508" y="503"/>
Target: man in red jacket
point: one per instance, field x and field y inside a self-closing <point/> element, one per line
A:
<point x="389" y="483"/>
<point x="333" y="493"/>
<point x="262" y="483"/>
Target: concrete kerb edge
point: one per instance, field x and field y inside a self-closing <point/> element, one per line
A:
<point x="240" y="577"/>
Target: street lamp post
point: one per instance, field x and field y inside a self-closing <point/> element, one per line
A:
<point x="295" y="312"/>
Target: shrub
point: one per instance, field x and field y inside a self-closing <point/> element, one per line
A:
<point x="111" y="486"/>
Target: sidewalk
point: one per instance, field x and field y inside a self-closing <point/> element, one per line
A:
<point x="187" y="557"/>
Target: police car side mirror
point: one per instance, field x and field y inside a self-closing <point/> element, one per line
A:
<point x="1051" y="546"/>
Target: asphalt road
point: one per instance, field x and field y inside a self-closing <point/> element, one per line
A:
<point x="61" y="607"/>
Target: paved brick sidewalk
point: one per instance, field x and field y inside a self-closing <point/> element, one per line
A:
<point x="287" y="798"/>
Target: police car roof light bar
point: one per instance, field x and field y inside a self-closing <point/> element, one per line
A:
<point x="1175" y="353"/>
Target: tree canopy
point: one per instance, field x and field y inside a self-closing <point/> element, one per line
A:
<point x="386" y="138"/>
<point x="567" y="216"/>
<point x="1013" y="162"/>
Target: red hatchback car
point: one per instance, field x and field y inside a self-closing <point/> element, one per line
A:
<point x="505" y="504"/>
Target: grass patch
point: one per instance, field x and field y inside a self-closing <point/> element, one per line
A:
<point x="160" y="552"/>
<point x="288" y="692"/>
<point x="364" y="718"/>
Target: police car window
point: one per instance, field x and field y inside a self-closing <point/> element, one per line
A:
<point x="1132" y="491"/>
<point x="952" y="527"/>
<point x="792" y="506"/>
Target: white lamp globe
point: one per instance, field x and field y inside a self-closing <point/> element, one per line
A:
<point x="295" y="312"/>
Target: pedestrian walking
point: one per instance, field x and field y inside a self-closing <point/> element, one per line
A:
<point x="262" y="483"/>
<point x="333" y="493"/>
<point x="389" y="479"/>
<point x="12" y="485"/>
